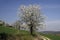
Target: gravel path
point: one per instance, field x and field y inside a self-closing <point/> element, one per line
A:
<point x="39" y="37"/>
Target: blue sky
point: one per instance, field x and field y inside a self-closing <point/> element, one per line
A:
<point x="50" y="8"/>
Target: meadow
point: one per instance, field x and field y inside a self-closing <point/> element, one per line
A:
<point x="23" y="35"/>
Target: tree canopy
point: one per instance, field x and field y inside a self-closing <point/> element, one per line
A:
<point x="32" y="16"/>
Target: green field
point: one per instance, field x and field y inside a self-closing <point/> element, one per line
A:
<point x="7" y="30"/>
<point x="51" y="36"/>
<point x="10" y="30"/>
<point x="15" y="33"/>
<point x="25" y="35"/>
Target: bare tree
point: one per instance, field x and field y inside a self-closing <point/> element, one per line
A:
<point x="32" y="16"/>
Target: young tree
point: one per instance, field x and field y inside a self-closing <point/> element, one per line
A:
<point x="17" y="24"/>
<point x="32" y="16"/>
<point x="2" y="23"/>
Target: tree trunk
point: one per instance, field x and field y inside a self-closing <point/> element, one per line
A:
<point x="31" y="29"/>
<point x="19" y="27"/>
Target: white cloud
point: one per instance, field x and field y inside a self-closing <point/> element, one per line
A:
<point x="53" y="25"/>
<point x="53" y="22"/>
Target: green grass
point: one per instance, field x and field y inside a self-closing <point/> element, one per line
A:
<point x="51" y="36"/>
<point x="10" y="30"/>
<point x="24" y="35"/>
<point x="15" y="33"/>
<point x="7" y="30"/>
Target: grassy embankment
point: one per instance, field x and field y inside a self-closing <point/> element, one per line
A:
<point x="14" y="34"/>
